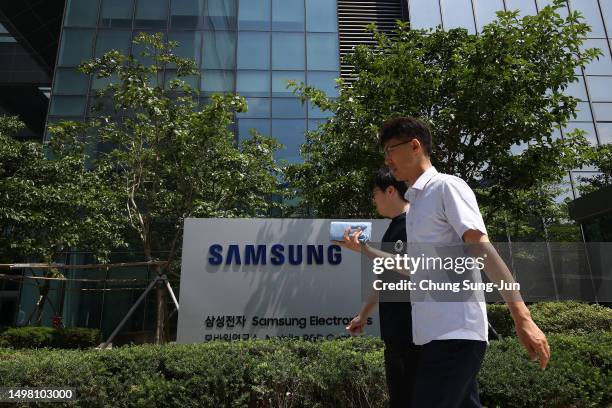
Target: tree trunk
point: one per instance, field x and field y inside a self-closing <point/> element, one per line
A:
<point x="160" y="309"/>
<point x="42" y="300"/>
<point x="160" y="301"/>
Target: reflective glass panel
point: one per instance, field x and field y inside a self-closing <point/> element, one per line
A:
<point x="321" y="16"/>
<point x="288" y="15"/>
<point x="220" y="14"/>
<point x="219" y="49"/>
<point x="253" y="83"/>
<point x="322" y="52"/>
<point x="76" y="46"/>
<point x="117" y="13"/>
<point x="288" y="51"/>
<point x="254" y="15"/>
<point x="81" y="13"/>
<point x="151" y="14"/>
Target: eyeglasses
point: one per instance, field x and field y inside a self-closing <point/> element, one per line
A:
<point x="388" y="149"/>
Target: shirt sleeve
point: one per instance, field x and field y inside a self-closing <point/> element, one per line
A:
<point x="460" y="206"/>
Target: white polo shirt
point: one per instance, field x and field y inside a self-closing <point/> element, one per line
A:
<point x="442" y="208"/>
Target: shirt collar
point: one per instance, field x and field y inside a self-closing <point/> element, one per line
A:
<point x="420" y="183"/>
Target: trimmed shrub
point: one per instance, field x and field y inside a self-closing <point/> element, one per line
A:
<point x="296" y="373"/>
<point x="568" y="317"/>
<point x="27" y="337"/>
<point x="38" y="337"/>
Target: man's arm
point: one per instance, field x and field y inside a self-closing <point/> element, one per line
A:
<point x="353" y="243"/>
<point x="495" y="268"/>
<point x="356" y="325"/>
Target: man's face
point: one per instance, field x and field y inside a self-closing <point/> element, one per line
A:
<point x="400" y="156"/>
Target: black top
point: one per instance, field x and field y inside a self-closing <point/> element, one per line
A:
<point x="395" y="317"/>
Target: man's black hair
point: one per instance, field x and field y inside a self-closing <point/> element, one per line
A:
<point x="384" y="179"/>
<point x="407" y="128"/>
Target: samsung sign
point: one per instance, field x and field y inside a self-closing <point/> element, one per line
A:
<point x="258" y="254"/>
<point x="257" y="278"/>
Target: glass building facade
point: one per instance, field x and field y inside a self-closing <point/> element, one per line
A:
<point x="253" y="46"/>
<point x="594" y="86"/>
<point x="250" y="47"/>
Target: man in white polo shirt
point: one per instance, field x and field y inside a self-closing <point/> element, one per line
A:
<point x="452" y="336"/>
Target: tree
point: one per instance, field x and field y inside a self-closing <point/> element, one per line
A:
<point x="49" y="205"/>
<point x="481" y="95"/>
<point x="172" y="159"/>
<point x="601" y="158"/>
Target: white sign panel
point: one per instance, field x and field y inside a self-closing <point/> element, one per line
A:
<point x="255" y="278"/>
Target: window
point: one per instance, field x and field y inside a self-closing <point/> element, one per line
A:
<point x="99" y="83"/>
<point x="288" y="15"/>
<point x="606" y="10"/>
<point x="288" y="108"/>
<point x="220" y="14"/>
<point x="485" y="11"/>
<point x="322" y="52"/>
<point x="189" y="44"/>
<point x="279" y="81"/>
<point x="112" y="40"/>
<point x="321" y="16"/>
<point x="325" y="81"/>
<point x="67" y="106"/>
<point x="599" y="88"/>
<point x="316" y="113"/>
<point x="583" y="112"/>
<point x="256" y="108"/>
<point x="603" y="112"/>
<point x="458" y="13"/>
<point x="186" y="13"/>
<point x="217" y="81"/>
<point x="589" y="128"/>
<point x="526" y="7"/>
<point x="81" y="13"/>
<point x="260" y="125"/>
<point x="219" y="50"/>
<point x="117" y="13"/>
<point x="590" y="11"/>
<point x="253" y="50"/>
<point x="151" y="14"/>
<point x="253" y="83"/>
<point x="70" y="81"/>
<point x="288" y="51"/>
<point x="313" y="124"/>
<point x="577" y="89"/>
<point x="170" y="75"/>
<point x="605" y="132"/>
<point x="76" y="46"/>
<point x="254" y="15"/>
<point x="601" y="65"/>
<point x="424" y="14"/>
<point x="289" y="132"/>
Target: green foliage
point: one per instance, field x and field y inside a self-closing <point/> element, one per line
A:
<point x="481" y="95"/>
<point x="39" y="337"/>
<point x="272" y="373"/>
<point x="578" y="374"/>
<point x="49" y="204"/>
<point x="568" y="317"/>
<point x="170" y="158"/>
<point x="601" y="159"/>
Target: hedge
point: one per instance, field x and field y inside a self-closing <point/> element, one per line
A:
<point x="295" y="373"/>
<point x="38" y="337"/>
<point x="567" y="317"/>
